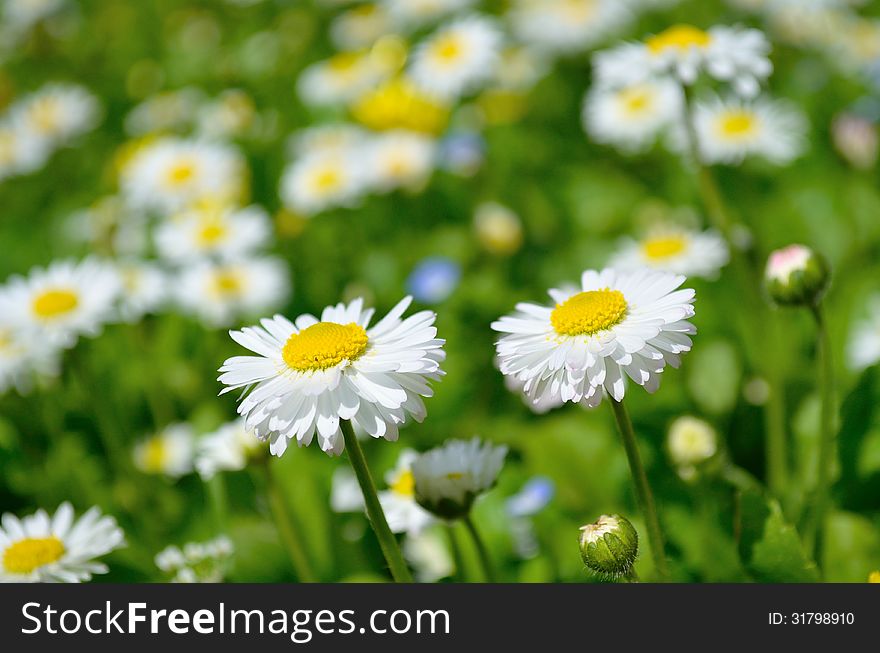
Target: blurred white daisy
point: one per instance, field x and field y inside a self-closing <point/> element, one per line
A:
<point x="631" y="117"/>
<point x="736" y="55"/>
<point x="211" y="229"/>
<point x="345" y="491"/>
<point x="730" y="130"/>
<point x="220" y="294"/>
<point x="428" y="553"/>
<point x="449" y="478"/>
<point x="59" y="549"/>
<point x="57" y="112"/>
<point x="674" y="249"/>
<point x="230" y="115"/>
<point x="164" y="112"/>
<point x="320" y="181"/>
<point x="404" y="515"/>
<point x="197" y="562"/>
<point x="415" y="13"/>
<point x="339" y="80"/>
<point x="458" y="58"/>
<point x="335" y="139"/>
<point x="311" y="374"/>
<point x="20" y="15"/>
<point x="360" y="27"/>
<point x="863" y="347"/>
<point x="63" y="301"/>
<point x="498" y="228"/>
<point x="21" y="151"/>
<point x="690" y="442"/>
<point x="567" y="26"/>
<point x="144" y="289"/>
<point x="620" y="324"/>
<point x="228" y="449"/>
<point x="24" y="359"/>
<point x="170" y="174"/>
<point x="169" y="452"/>
<point x="400" y="159"/>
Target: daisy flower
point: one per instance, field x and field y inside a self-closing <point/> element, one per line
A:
<point x="329" y="139"/>
<point x="345" y="493"/>
<point x="169" y="452"/>
<point x="21" y="151"/>
<point x="415" y="13"/>
<point x="197" y="562"/>
<point x="212" y="229"/>
<point x="498" y="228"/>
<point x="399" y="501"/>
<point x="57" y="113"/>
<point x="401" y="104"/>
<point x="221" y="293"/>
<point x="690" y="442"/>
<point x="735" y="55"/>
<point x="22" y="14"/>
<point x="619" y="325"/>
<point x="164" y="112"/>
<point x="143" y="289"/>
<point x="674" y="249"/>
<point x="730" y="130"/>
<point x="60" y="549"/>
<point x="320" y="181"/>
<point x="428" y="553"/>
<point x="400" y="159"/>
<point x="228" y="449"/>
<point x="449" y="478"/>
<point x="863" y="348"/>
<point x="22" y="359"/>
<point x="631" y="117"/>
<point x="566" y="26"/>
<point x="339" y="80"/>
<point x="311" y="373"/>
<point x="170" y="174"/>
<point x="231" y="115"/>
<point x="63" y="301"/>
<point x="458" y="58"/>
<point x="360" y="27"/>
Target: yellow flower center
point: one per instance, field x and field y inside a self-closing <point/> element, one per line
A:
<point x="636" y="99"/>
<point x="227" y="283"/>
<point x="455" y="476"/>
<point x="678" y="37"/>
<point x="397" y="104"/>
<point x="344" y="62"/>
<point x="28" y="554"/>
<point x="874" y="577"/>
<point x="663" y="246"/>
<point x="324" y="345"/>
<point x="211" y="233"/>
<point x="54" y="303"/>
<point x="736" y="124"/>
<point x="327" y="180"/>
<point x="448" y="48"/>
<point x="181" y="173"/>
<point x="404" y="484"/>
<point x="154" y="454"/>
<point x="578" y="10"/>
<point x="45" y="116"/>
<point x="590" y="312"/>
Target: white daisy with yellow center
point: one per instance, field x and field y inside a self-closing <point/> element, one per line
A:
<point x="735" y="55"/>
<point x="458" y="58"/>
<point x="631" y="117"/>
<point x="449" y="479"/>
<point x="169" y="452"/>
<point x="691" y="441"/>
<point x="675" y="249"/>
<point x="62" y="302"/>
<point x="730" y="130"/>
<point x="311" y="373"/>
<point x="618" y="325"/>
<point x="321" y="181"/>
<point x="57" y="113"/>
<point x="403" y="513"/>
<point x="56" y="549"/>
<point x="213" y="229"/>
<point x="228" y="449"/>
<point x="170" y="174"/>
<point x="400" y="159"/>
<point x="220" y="294"/>
<point x="567" y="26"/>
<point x="340" y="80"/>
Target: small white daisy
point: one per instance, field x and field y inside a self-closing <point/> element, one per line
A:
<point x="620" y="324"/>
<point x="345" y="491"/>
<point x="228" y="449"/>
<point x="21" y="151"/>
<point x="143" y="291"/>
<point x="310" y="374"/>
<point x="730" y="130"/>
<point x="690" y="442"/>
<point x="428" y="553"/>
<point x="340" y="80"/>
<point x="631" y="117"/>
<point x="197" y="562"/>
<point x="321" y="181"/>
<point x="59" y="549"/>
<point x="400" y="159"/>
<point x="219" y="294"/>
<point x="170" y="174"/>
<point x="169" y="452"/>
<point x="404" y="515"/>
<point x="498" y="228"/>
<point x="211" y="229"/>
<point x="449" y="478"/>
<point x="57" y="113"/>
<point x="335" y="139"/>
<point x="62" y="302"/>
<point x="20" y="15"/>
<point x="567" y="26"/>
<point x="736" y="55"/>
<point x="458" y="58"/>
<point x="24" y="359"/>
<point x="674" y="249"/>
<point x="231" y="115"/>
<point x="863" y="348"/>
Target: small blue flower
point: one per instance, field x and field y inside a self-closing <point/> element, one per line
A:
<point x="532" y="498"/>
<point x="433" y="280"/>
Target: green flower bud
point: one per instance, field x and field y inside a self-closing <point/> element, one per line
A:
<point x="796" y="276"/>
<point x="609" y="546"/>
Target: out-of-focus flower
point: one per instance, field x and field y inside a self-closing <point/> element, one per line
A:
<point x="736" y="55"/>
<point x="56" y="113"/>
<point x="398" y="104"/>
<point x="220" y="294"/>
<point x="197" y="562"/>
<point x="24" y="359"/>
<point x="168" y="111"/>
<point x="169" y="452"/>
<point x="433" y="280"/>
<point x="334" y="139"/>
<point x="796" y="276"/>
<point x="108" y="224"/>
<point x="360" y="27"/>
<point x="404" y="515"/>
<point x="856" y="139"/>
<point x="462" y="153"/>
<point x="498" y="229"/>
<point x="400" y="159"/>
<point x="317" y="182"/>
<point x="345" y="492"/>
<point x="340" y="79"/>
<point x="415" y="13"/>
<point x="310" y="375"/>
<point x="449" y="478"/>
<point x="730" y="130"/>
<point x="863" y="348"/>
<point x="874" y="577"/>
<point x="56" y="549"/>
<point x="620" y="324"/>
<point x="690" y="442"/>
<point x="143" y="291"/>
<point x="21" y="15"/>
<point x="567" y="26"/>
<point x="674" y="249"/>
<point x="228" y="449"/>
<point x="428" y="553"/>
<point x="532" y="498"/>
<point x="21" y="151"/>
<point x="231" y="115"/>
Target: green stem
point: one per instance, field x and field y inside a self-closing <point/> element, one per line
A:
<point x="393" y="556"/>
<point x="827" y="435"/>
<point x="455" y="548"/>
<point x="644" y="497"/>
<point x="482" y="552"/>
<point x="290" y="534"/>
<point x="216" y="488"/>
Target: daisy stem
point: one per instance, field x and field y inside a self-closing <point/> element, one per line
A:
<point x="290" y="534"/>
<point x="387" y="541"/>
<point x="482" y="552"/>
<point x="826" y="456"/>
<point x="644" y="497"/>
<point x="455" y="548"/>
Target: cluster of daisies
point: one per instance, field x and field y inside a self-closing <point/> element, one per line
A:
<point x="38" y="124"/>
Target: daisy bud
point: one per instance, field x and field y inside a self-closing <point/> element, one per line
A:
<point x="609" y="546"/>
<point x="796" y="276"/>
